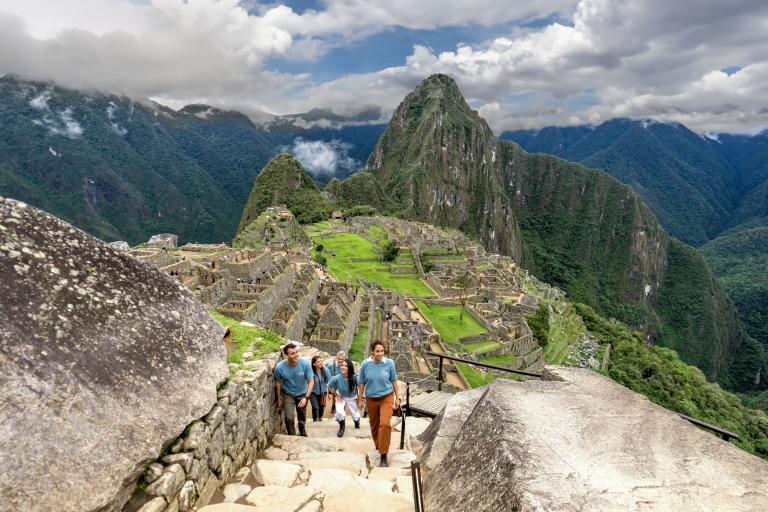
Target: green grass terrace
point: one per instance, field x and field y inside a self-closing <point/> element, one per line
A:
<point x="350" y="246"/>
<point x="445" y="319"/>
<point x="245" y="339"/>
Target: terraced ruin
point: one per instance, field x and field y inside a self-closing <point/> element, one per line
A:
<point x="441" y="293"/>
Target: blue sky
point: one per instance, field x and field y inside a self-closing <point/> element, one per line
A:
<point x="522" y="64"/>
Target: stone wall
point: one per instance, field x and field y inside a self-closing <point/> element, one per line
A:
<point x="219" y="292"/>
<point x="352" y="323"/>
<point x="299" y="320"/>
<point x="214" y="447"/>
<point x="265" y="309"/>
<point x="246" y="269"/>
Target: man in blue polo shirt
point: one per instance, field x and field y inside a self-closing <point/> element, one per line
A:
<point x="294" y="380"/>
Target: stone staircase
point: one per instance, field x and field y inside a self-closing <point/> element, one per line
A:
<point x="323" y="472"/>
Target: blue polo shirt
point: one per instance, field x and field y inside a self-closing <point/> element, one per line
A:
<point x="377" y="377"/>
<point x="320" y="386"/>
<point x="334" y="368"/>
<point x="294" y="378"/>
<point x="341" y="383"/>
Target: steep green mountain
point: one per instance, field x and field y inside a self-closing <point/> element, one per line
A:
<point x="360" y="189"/>
<point x="681" y="176"/>
<point x="126" y="169"/>
<point x="704" y="190"/>
<point x="740" y="262"/>
<point x="439" y="162"/>
<point x="572" y="226"/>
<point x="284" y="181"/>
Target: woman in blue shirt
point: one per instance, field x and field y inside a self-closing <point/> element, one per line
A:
<point x="377" y="382"/>
<point x="317" y="398"/>
<point x="344" y="386"/>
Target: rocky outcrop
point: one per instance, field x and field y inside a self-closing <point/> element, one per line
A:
<point x="578" y="441"/>
<point x="103" y="361"/>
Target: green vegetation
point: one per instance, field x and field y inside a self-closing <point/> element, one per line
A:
<point x="359" y="211"/>
<point x="357" y="349"/>
<point x="244" y="339"/>
<point x="680" y="175"/>
<point x="389" y="251"/>
<point x="539" y="324"/>
<point x="475" y="378"/>
<point x="703" y="328"/>
<point x="266" y="228"/>
<point x="445" y="319"/>
<point x="482" y="347"/>
<point x="349" y="246"/>
<point x="659" y="374"/>
<point x="499" y="360"/>
<point x="757" y="401"/>
<point x="283" y="181"/>
<point x="740" y="262"/>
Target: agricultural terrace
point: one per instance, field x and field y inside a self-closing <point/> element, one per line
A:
<point x="445" y="319"/>
<point x="247" y="339"/>
<point x="341" y="248"/>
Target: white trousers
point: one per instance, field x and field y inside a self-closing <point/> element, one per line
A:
<point x="349" y="401"/>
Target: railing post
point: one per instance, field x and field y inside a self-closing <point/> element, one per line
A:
<point x="418" y="498"/>
<point x="440" y="374"/>
<point x="408" y="397"/>
<point x="402" y="427"/>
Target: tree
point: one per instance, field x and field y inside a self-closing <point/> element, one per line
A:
<point x="389" y="251"/>
<point x="539" y="324"/>
<point x="320" y="258"/>
<point x="462" y="283"/>
<point x="319" y="248"/>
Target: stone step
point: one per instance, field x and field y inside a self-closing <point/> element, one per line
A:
<point x="395" y="458"/>
<point x="356" y="463"/>
<point x="337" y="479"/>
<point x="366" y="501"/>
<point x="294" y="445"/>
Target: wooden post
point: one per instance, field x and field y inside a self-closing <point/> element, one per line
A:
<point x="440" y="374"/>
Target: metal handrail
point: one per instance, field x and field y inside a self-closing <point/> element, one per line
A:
<point x="476" y="363"/>
<point x="725" y="434"/>
<point x="418" y="493"/>
<point x="403" y="414"/>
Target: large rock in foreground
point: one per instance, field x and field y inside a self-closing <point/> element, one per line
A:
<point x="577" y="441"/>
<point x="103" y="360"/>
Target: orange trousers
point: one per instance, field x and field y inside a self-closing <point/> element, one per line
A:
<point x="380" y="415"/>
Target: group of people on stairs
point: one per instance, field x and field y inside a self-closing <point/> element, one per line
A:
<point x="300" y="381"/>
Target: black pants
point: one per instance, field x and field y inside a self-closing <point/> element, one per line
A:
<point x="292" y="410"/>
<point x="317" y="408"/>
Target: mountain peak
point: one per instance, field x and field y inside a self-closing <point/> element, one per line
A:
<point x="284" y="181"/>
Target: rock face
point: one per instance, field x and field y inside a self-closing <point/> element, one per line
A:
<point x="103" y="361"/>
<point x="578" y="441"/>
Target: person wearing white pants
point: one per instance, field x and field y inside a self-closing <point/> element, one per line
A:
<point x="344" y="387"/>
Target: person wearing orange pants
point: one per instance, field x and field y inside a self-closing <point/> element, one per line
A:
<point x="377" y="382"/>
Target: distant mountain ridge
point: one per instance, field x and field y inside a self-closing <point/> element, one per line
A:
<point x="122" y="168"/>
<point x="708" y="190"/>
<point x="698" y="186"/>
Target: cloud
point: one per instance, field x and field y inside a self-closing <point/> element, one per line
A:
<point x="56" y="123"/>
<point x="185" y="50"/>
<point x="644" y="58"/>
<point x="651" y="58"/>
<point x="324" y="158"/>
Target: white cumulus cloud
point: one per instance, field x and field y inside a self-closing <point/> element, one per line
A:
<point x="323" y="158"/>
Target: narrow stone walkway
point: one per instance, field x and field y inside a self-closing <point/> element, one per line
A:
<point x="325" y="473"/>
